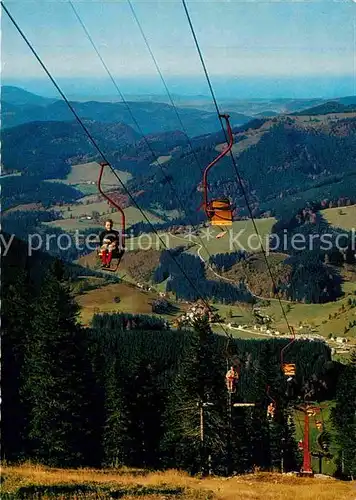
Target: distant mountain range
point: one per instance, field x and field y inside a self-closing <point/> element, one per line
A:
<point x="280" y="158"/>
<point x="346" y="105"/>
<point x="196" y="113"/>
<point x="19" y="107"/>
<point x="20" y="97"/>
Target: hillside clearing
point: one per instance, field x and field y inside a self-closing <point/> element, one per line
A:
<point x="161" y="160"/>
<point x="26" y="207"/>
<point x="318" y="316"/>
<point x="84" y="178"/>
<point x="101" y="300"/>
<point x="25" y="481"/>
<point x="78" y="221"/>
<point x="241" y="236"/>
<point x="342" y="217"/>
<point x="86" y="173"/>
<point x="132" y="300"/>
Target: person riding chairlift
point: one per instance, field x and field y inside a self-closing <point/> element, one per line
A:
<point x="110" y="244"/>
<point x="271" y="410"/>
<point x="232" y="377"/>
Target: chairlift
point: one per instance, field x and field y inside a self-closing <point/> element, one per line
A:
<point x="219" y="211"/>
<point x="232" y="377"/>
<point x="118" y="252"/>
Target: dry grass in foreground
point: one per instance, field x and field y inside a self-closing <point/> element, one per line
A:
<point x="29" y="481"/>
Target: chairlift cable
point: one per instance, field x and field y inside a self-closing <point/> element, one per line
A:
<point x="234" y="161"/>
<point x="98" y="149"/>
<point x="194" y="226"/>
<point x="164" y="83"/>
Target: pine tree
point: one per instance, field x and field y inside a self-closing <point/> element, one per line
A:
<point x="115" y="421"/>
<point x="241" y="441"/>
<point x="16" y="327"/>
<point x="199" y="381"/>
<point x="248" y="438"/>
<point x="57" y="371"/>
<point x="344" y="418"/>
<point x="144" y="401"/>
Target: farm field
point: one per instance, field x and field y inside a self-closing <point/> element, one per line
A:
<point x="238" y="334"/>
<point x="84" y="178"/>
<point x="316" y="315"/>
<point x="84" y="206"/>
<point x="133" y="215"/>
<point x="102" y="300"/>
<point x="343" y="217"/>
<point x="86" y="173"/>
<point x="168" y="214"/>
<point x="26" y="207"/>
<point x="132" y="300"/>
<point x="161" y="160"/>
<point x="28" y="480"/>
<point x="72" y="225"/>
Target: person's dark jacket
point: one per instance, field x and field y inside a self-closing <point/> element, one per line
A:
<point x="111" y="235"/>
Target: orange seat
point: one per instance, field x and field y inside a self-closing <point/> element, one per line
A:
<point x="289" y="369"/>
<point x="221" y="213"/>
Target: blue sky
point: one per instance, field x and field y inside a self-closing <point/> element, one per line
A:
<point x="275" y="42"/>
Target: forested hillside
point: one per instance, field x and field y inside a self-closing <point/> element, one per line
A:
<point x="195" y="284"/>
<point x="329" y="107"/>
<point x="309" y="161"/>
<point x="119" y="395"/>
<point x="47" y="149"/>
<point x="305" y="163"/>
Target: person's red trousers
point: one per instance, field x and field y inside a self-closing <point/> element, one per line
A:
<point x="106" y="258"/>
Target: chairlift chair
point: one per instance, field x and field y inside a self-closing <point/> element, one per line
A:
<point x="232" y="377"/>
<point x="219" y="211"/>
<point x="119" y="251"/>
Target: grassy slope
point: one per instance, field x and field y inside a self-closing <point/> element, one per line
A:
<point x="130" y="484"/>
<point x="345" y="220"/>
<point x="318" y="314"/>
<point x="102" y="300"/>
<point x="314" y="315"/>
<point x="231" y="242"/>
<point x="161" y="160"/>
<point x="82" y="176"/>
<point x="88" y="172"/>
<point x="133" y="215"/>
<point x="132" y="300"/>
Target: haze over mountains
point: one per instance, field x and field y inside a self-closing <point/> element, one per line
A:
<point x="20" y="107"/>
<point x="305" y="155"/>
<point x="196" y="113"/>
